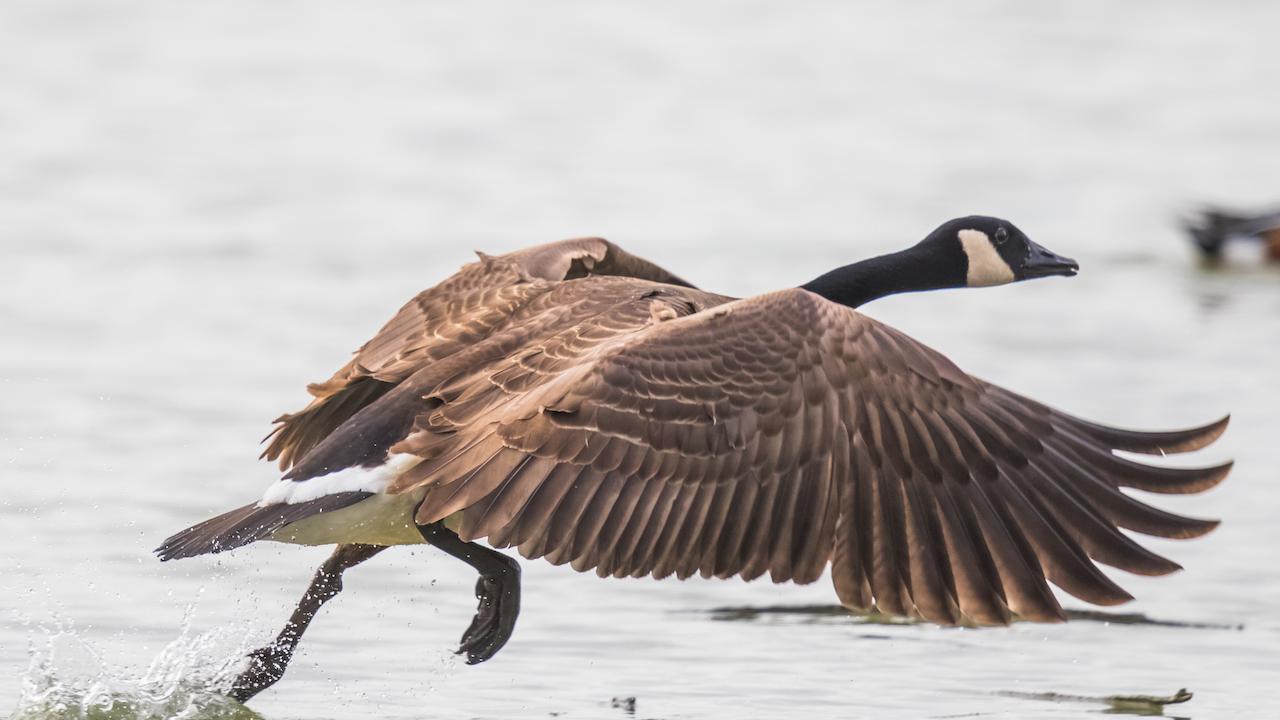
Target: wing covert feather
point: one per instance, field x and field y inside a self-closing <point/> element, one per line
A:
<point x="440" y="321"/>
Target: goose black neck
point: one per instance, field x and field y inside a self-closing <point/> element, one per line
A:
<point x="911" y="270"/>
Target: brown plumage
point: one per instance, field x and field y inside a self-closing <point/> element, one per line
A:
<point x="442" y="320"/>
<point x="777" y="434"/>
<point x="586" y="406"/>
<point x="635" y="427"/>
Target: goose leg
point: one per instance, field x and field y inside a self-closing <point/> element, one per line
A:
<point x="498" y="591"/>
<point x="267" y="664"/>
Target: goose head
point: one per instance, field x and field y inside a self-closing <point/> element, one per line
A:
<point x="974" y="251"/>
<point x="992" y="252"/>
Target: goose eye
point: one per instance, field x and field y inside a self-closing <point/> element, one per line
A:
<point x="1001" y="236"/>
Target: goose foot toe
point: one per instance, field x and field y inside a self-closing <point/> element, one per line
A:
<point x="266" y="667"/>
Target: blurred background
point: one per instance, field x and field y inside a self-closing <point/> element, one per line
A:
<point x="203" y="206"/>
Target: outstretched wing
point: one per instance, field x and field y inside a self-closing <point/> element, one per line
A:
<point x="437" y="323"/>
<point x="784" y="433"/>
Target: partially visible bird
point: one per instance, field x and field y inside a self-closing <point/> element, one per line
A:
<point x="585" y="406"/>
<point x="1213" y="228"/>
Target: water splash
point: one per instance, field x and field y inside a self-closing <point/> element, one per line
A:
<point x="68" y="679"/>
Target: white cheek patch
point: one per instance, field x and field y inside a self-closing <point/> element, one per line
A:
<point x="351" y="479"/>
<point x="986" y="267"/>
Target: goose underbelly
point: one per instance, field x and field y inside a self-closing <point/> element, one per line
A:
<point x="378" y="520"/>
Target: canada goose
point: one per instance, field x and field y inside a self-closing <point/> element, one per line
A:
<point x="584" y="405"/>
<point x="1214" y="227"/>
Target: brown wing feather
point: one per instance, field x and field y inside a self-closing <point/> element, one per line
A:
<point x="439" y="322"/>
<point x="784" y="433"/>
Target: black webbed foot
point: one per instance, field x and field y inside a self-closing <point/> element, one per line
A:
<point x="498" y="591"/>
<point x="499" y="594"/>
<point x="266" y="666"/>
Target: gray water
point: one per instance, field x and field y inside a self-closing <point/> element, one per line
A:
<point x="204" y="206"/>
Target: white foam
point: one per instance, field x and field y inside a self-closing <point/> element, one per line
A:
<point x="70" y="677"/>
<point x="351" y="479"/>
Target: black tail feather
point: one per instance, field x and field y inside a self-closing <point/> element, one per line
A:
<point x="244" y="525"/>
